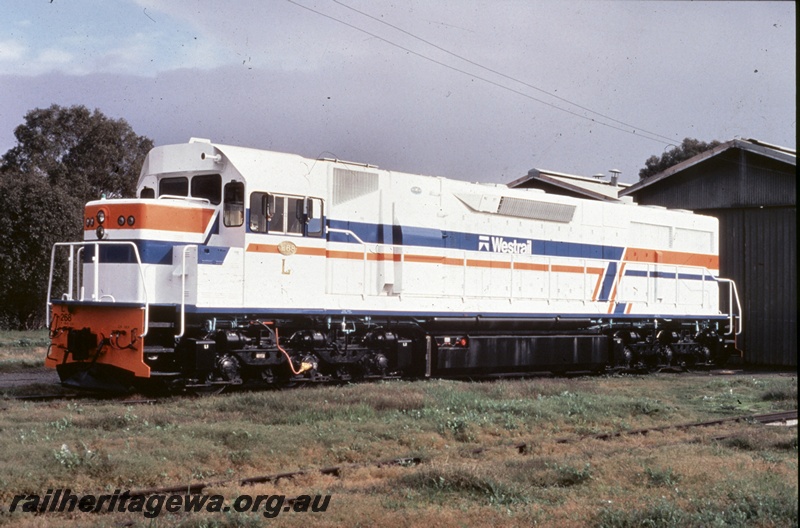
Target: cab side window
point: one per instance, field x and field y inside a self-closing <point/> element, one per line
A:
<point x="294" y="215"/>
<point x="233" y="210"/>
<point x="259" y="212"/>
<point x="274" y="213"/>
<point x="313" y="217"/>
<point x="208" y="186"/>
<point x="173" y="186"/>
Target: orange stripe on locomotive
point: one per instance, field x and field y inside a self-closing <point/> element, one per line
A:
<point x="155" y="216"/>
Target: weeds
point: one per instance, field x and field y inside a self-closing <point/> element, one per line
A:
<point x="22" y="350"/>
<point x="23" y="339"/>
<point x="20" y="358"/>
<point x="679" y="478"/>
<point x="71" y="459"/>
<point x="461" y="479"/>
<point x="785" y="397"/>
<point x="735" y="509"/>
<point x="566" y="475"/>
<point x="550" y="473"/>
<point x="661" y="477"/>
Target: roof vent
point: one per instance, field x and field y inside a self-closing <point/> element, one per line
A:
<point x="615" y="176"/>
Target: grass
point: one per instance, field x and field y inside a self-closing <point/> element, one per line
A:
<point x="672" y="478"/>
<point x="20" y="350"/>
<point x="23" y="338"/>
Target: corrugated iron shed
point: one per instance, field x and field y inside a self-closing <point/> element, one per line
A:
<point x="751" y="187"/>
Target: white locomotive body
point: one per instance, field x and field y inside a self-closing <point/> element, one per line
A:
<point x="237" y="265"/>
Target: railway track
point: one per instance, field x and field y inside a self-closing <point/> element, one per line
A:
<point x="335" y="471"/>
<point x="43" y="379"/>
<point x="91" y="399"/>
<point x="41" y="398"/>
<point x="784" y="417"/>
<point x="778" y="417"/>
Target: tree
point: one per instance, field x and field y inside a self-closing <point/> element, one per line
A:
<point x="85" y="152"/>
<point x="689" y="148"/>
<point x="33" y="216"/>
<point x="64" y="157"/>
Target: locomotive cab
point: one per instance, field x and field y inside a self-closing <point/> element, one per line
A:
<point x="152" y="273"/>
<point x="140" y="264"/>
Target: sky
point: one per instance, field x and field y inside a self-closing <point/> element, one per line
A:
<point x="468" y="89"/>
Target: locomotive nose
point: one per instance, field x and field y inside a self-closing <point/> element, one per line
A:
<point x="106" y="218"/>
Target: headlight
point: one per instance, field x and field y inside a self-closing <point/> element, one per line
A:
<point x="131" y="220"/>
<point x="101" y="217"/>
<point x="89" y="222"/>
<point x="121" y="220"/>
<point x="101" y="232"/>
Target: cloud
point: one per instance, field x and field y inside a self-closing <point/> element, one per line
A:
<point x="12" y="50"/>
<point x="274" y="75"/>
<point x="82" y="37"/>
<point x="52" y="59"/>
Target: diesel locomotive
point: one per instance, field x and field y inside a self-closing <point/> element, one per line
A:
<point x="237" y="266"/>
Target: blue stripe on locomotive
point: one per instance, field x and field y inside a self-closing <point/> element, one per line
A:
<point x="436" y="238"/>
<point x="151" y="252"/>
<point x="608" y="282"/>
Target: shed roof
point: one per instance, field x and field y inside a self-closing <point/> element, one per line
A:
<point x="775" y="152"/>
<point x="570" y="184"/>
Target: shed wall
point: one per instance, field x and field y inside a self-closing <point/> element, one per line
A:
<point x="758" y="250"/>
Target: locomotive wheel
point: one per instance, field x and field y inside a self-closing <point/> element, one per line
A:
<point x="667" y="355"/>
<point x="627" y="357"/>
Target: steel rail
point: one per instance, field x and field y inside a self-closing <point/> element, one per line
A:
<point x="335" y="471"/>
<point x="760" y="418"/>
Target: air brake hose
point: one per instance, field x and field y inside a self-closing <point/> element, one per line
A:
<point x="304" y="366"/>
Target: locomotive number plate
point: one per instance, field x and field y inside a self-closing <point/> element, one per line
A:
<point x="287" y="248"/>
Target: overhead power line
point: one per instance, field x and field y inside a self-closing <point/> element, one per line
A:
<point x="630" y="130"/>
<point x="501" y="74"/>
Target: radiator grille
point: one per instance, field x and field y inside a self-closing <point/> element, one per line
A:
<point x="350" y="184"/>
<point x="535" y="209"/>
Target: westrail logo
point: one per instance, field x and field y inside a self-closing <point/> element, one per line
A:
<point x="501" y="245"/>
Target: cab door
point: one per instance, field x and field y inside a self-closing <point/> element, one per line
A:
<point x="221" y="259"/>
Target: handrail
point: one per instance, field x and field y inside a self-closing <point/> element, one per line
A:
<point x="348" y="232"/>
<point x="185" y="198"/>
<point x="79" y="271"/>
<point x="733" y="294"/>
<point x="95" y="297"/>
<point x="183" y="291"/>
